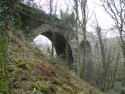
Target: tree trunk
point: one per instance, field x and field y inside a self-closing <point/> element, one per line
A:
<point x="53" y="40"/>
<point x="123" y="51"/>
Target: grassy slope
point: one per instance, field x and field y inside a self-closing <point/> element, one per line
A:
<point x="31" y="72"/>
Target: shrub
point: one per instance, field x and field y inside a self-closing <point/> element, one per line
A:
<point x="57" y="82"/>
<point x="24" y="64"/>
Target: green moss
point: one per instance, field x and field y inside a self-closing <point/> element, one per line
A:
<point x="68" y="89"/>
<point x="11" y="68"/>
<point x="39" y="78"/>
<point x="24" y="64"/>
<point x="3" y="72"/>
<point x="58" y="82"/>
<point x="46" y="90"/>
<point x="36" y="86"/>
<point x="25" y="77"/>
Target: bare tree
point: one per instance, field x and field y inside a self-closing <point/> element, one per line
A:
<point x="82" y="5"/>
<point x="52" y="11"/>
<point x="84" y="50"/>
<point x="76" y="11"/>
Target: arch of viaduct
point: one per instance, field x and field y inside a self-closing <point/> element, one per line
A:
<point x="35" y="22"/>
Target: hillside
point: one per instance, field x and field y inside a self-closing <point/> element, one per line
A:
<point x="32" y="72"/>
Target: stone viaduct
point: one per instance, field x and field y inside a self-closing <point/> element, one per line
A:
<point x="35" y="22"/>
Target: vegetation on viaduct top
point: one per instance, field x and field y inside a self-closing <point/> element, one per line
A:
<point x="32" y="17"/>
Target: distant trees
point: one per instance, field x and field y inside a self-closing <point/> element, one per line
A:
<point x="116" y="10"/>
<point x="106" y="61"/>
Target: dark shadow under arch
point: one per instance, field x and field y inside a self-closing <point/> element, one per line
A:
<point x="60" y="44"/>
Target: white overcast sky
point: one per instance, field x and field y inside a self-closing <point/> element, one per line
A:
<point x="103" y="18"/>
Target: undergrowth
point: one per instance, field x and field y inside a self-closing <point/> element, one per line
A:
<point x="32" y="72"/>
